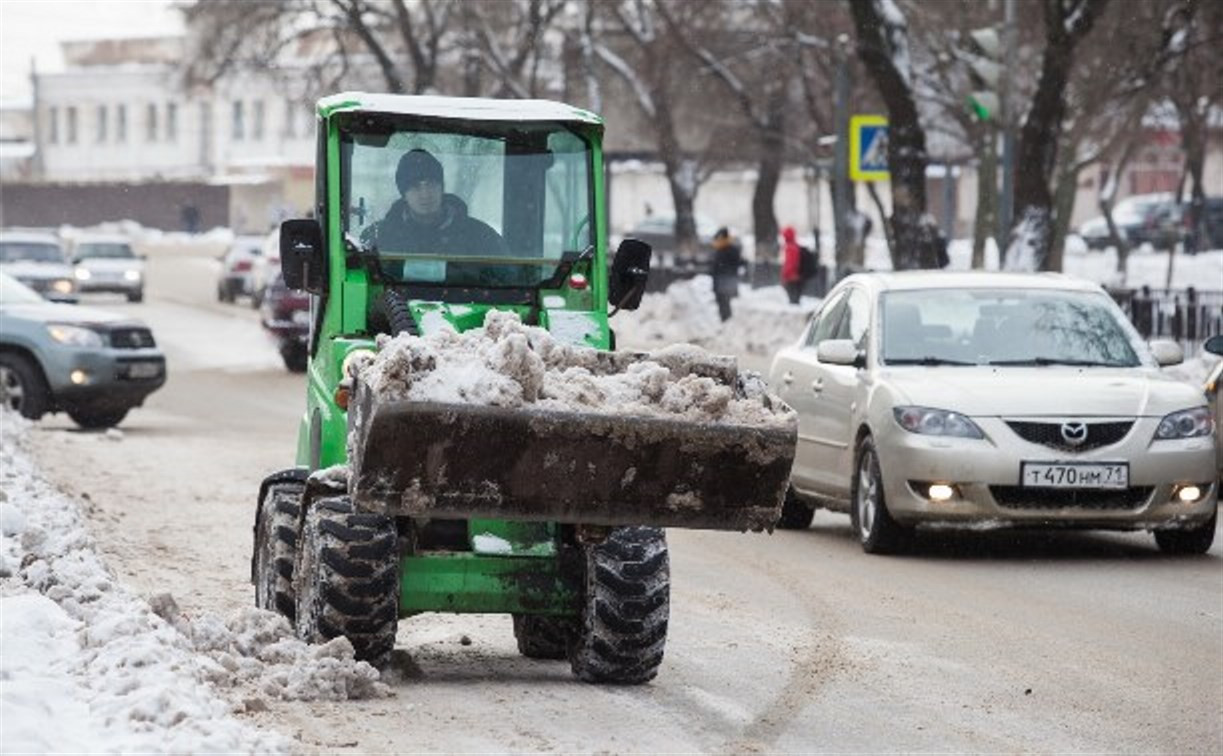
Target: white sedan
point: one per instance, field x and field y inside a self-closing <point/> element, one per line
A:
<point x="993" y="400"/>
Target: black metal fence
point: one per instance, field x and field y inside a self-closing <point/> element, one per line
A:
<point x="1185" y="315"/>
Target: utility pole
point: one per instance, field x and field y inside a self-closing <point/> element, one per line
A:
<point x="842" y="190"/>
<point x="1007" y="196"/>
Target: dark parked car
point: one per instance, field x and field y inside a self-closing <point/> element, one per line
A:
<point x="92" y="364"/>
<point x="659" y="232"/>
<point x="1207" y="235"/>
<point x="1153" y="219"/>
<point x="286" y="316"/>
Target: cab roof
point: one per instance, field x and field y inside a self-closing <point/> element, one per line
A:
<point x="464" y="108"/>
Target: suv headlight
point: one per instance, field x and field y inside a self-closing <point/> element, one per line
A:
<point x="74" y="335"/>
<point x="1190" y="423"/>
<point x="936" y="422"/>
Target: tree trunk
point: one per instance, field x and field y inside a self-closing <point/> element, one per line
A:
<point x="1063" y="208"/>
<point x="764" y="220"/>
<point x="987" y="197"/>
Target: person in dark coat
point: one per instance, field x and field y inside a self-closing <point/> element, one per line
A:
<point x="426" y="220"/>
<point x="727" y="262"/>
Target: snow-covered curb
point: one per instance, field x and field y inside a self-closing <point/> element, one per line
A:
<point x="86" y="666"/>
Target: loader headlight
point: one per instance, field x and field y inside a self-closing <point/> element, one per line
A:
<point x="936" y="422"/>
<point x="74" y="335"/>
<point x="355" y="360"/>
<point x="1190" y="423"/>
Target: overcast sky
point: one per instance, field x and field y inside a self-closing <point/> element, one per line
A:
<point x="34" y="28"/>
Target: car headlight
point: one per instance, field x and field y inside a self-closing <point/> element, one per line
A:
<point x="82" y="274"/>
<point x="63" y="286"/>
<point x="131" y="275"/>
<point x="74" y="335"/>
<point x="936" y="422"/>
<point x="1190" y="423"/>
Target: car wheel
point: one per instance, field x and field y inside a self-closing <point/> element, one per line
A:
<point x="136" y="296"/>
<point x="795" y="515"/>
<point x="877" y="531"/>
<point x="1195" y="540"/>
<point x="22" y="387"/>
<point x="295" y="357"/>
<point x="96" y="419"/>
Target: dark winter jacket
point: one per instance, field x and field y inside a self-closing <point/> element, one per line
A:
<point x="458" y="234"/>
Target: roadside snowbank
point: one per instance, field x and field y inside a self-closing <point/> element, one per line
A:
<point x="89" y="667"/>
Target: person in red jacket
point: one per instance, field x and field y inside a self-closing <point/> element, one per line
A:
<point x="791" y="275"/>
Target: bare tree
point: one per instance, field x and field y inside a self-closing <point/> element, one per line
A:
<point x="1067" y="22"/>
<point x="883" y="46"/>
<point x="509" y="40"/>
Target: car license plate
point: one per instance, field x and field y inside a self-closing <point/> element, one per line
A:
<point x="144" y="369"/>
<point x="1075" y="474"/>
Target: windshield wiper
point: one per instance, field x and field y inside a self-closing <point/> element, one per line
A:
<point x="1045" y="361"/>
<point x="927" y="360"/>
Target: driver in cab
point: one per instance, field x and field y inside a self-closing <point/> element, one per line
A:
<point x="427" y="221"/>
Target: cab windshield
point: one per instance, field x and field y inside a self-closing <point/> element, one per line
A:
<point x="476" y="204"/>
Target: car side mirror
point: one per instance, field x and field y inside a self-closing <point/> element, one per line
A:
<point x="630" y="269"/>
<point x="302" y="258"/>
<point x="839" y="352"/>
<point x="1214" y="344"/>
<point x="1167" y="352"/>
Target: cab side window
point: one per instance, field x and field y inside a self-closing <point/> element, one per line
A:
<point x="826" y="321"/>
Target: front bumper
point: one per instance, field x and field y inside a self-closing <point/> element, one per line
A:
<point x="103" y="378"/>
<point x="988" y="490"/>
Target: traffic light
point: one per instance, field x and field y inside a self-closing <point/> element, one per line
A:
<point x="984" y="59"/>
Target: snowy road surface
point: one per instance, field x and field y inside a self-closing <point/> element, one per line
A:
<point x="795" y="641"/>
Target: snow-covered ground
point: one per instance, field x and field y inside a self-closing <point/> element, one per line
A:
<point x="87" y="666"/>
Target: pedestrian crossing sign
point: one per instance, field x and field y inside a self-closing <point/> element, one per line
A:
<point x="868" y="148"/>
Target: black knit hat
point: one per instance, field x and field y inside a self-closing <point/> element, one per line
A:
<point x="415" y="166"/>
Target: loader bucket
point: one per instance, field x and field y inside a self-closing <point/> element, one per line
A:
<point x="463" y="461"/>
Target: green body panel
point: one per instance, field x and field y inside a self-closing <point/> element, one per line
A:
<point x="513" y="567"/>
<point x="471" y="583"/>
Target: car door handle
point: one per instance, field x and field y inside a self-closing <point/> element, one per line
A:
<point x="817" y="385"/>
<point x="788" y="378"/>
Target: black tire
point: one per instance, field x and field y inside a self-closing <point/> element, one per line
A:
<point x="795" y="515"/>
<point x="391" y="314"/>
<point x="295" y="356"/>
<point x="625" y="608"/>
<point x="22" y="386"/>
<point x="347" y="579"/>
<point x="277" y="527"/>
<point x="876" y="530"/>
<point x="135" y="296"/>
<point x="543" y="637"/>
<point x="1196" y="540"/>
<point x="225" y="292"/>
<point x="92" y="418"/>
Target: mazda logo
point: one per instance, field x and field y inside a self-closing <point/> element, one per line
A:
<point x="1074" y="434"/>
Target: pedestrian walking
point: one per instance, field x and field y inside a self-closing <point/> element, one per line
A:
<point x="727" y="262"/>
<point x="791" y="271"/>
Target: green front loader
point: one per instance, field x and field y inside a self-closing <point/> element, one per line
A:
<point x="388" y="511"/>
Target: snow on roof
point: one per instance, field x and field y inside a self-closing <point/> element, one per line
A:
<point x="465" y="108"/>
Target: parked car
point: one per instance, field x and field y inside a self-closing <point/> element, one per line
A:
<point x="108" y="264"/>
<point x="265" y="267"/>
<point x="92" y="364"/>
<point x="659" y="232"/>
<point x="286" y="316"/>
<point x="37" y="259"/>
<point x="993" y="400"/>
<point x="1153" y="219"/>
<point x="1210" y="234"/>
<point x="236" y="266"/>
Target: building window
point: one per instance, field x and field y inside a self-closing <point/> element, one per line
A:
<point x="151" y="122"/>
<point x="239" y="121"/>
<point x="70" y="136"/>
<point x="101" y="123"/>
<point x="120" y="123"/>
<point x="257" y="120"/>
<point x="53" y="125"/>
<point x="171" y="121"/>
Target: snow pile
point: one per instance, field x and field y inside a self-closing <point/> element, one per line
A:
<point x="89" y="667"/>
<point x="508" y="364"/>
<point x="763" y="322"/>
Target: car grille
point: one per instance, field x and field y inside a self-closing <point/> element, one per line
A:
<point x="1050" y="434"/>
<point x="132" y="338"/>
<point x="1020" y="497"/>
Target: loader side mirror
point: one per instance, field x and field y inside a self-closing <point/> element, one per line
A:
<point x="301" y="255"/>
<point x="629" y="270"/>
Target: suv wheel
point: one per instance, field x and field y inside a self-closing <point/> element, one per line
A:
<point x="97" y="419"/>
<point x="22" y="388"/>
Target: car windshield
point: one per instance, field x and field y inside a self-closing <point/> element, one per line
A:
<point x="105" y="249"/>
<point x="13" y="251"/>
<point x="1004" y="327"/>
<point x="483" y="204"/>
<point x="14" y="292"/>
